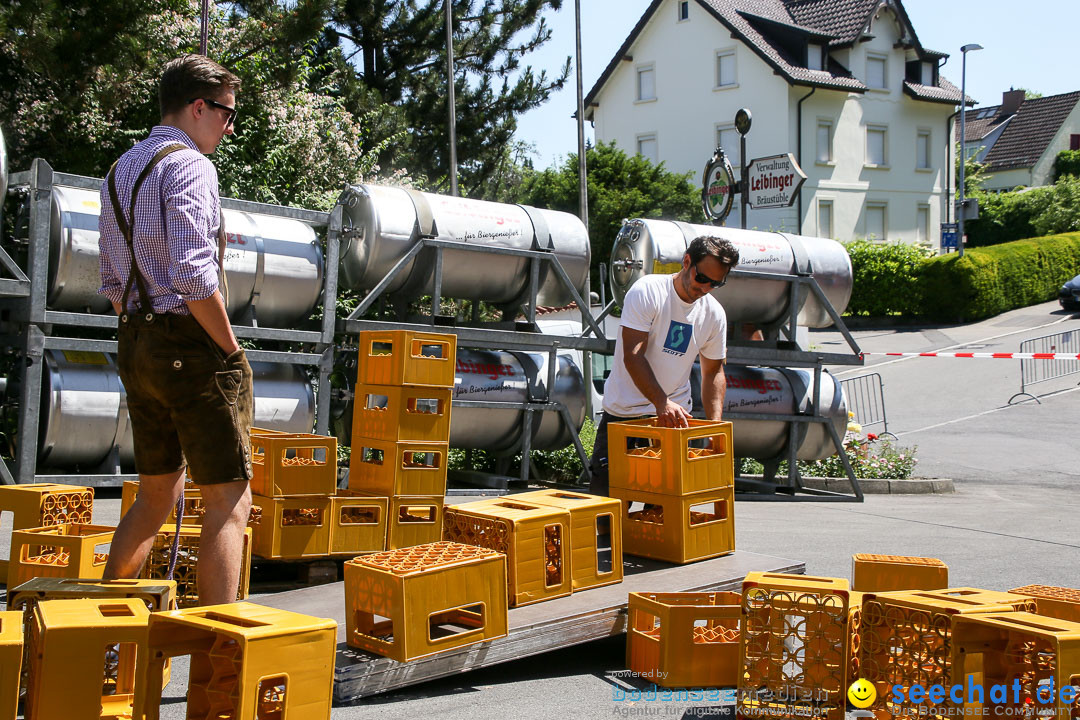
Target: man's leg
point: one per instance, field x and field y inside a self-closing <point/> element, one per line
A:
<point x="135" y="534"/>
<point x="598" y="464"/>
<point x="222" y="543"/>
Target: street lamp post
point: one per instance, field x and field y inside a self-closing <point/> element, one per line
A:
<point x="963" y="152"/>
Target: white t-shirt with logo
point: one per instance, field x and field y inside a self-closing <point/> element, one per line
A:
<point x="678" y="331"/>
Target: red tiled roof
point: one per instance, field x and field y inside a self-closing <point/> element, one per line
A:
<point x="1030" y="131"/>
<point x="843" y="19"/>
<point x="837" y="22"/>
<point x="944" y="92"/>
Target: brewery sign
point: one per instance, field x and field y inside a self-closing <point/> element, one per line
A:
<point x="774" y="181"/>
<point x="718" y="187"/>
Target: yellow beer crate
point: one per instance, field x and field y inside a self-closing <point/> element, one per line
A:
<point x="907" y="638"/>
<point x="418" y="601"/>
<point x="645" y="457"/>
<point x="293" y="464"/>
<point x="1052" y="601"/>
<point x="383" y="467"/>
<point x="42" y="504"/>
<point x="414" y="520"/>
<point x="799" y="647"/>
<point x="401" y="413"/>
<point x="11" y="658"/>
<point x="68" y="550"/>
<point x="247" y="661"/>
<point x="69" y="643"/>
<point x="677" y="528"/>
<point x="535" y="539"/>
<point x="886" y="573"/>
<point x="292" y="527"/>
<point x="596" y="552"/>
<point x="1035" y="658"/>
<point x="357" y="523"/>
<point x="684" y="640"/>
<point x="403" y="357"/>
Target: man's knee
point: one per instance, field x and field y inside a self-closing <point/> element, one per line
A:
<point x="228" y="500"/>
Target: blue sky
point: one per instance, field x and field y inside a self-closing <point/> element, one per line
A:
<point x="1027" y="45"/>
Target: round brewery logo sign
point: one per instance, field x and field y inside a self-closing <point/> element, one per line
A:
<point x="718" y="187"/>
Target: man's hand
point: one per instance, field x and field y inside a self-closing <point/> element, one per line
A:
<point x="672" y="415"/>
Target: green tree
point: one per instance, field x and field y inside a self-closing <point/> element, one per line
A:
<point x="399" y="51"/>
<point x="620" y="186"/>
<point x="78" y="86"/>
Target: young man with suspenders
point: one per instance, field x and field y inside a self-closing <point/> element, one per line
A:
<point x="187" y="380"/>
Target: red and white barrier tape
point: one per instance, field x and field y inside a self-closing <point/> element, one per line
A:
<point x="995" y="356"/>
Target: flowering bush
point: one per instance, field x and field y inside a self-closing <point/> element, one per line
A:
<point x="870" y="457"/>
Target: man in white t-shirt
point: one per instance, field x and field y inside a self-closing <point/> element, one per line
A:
<point x="667" y="322"/>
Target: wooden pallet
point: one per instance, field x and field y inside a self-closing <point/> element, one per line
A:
<point x="534" y="629"/>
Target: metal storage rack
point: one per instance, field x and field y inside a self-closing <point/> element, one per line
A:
<point x="502" y="335"/>
<point x="781" y="350"/>
<point x="30" y="328"/>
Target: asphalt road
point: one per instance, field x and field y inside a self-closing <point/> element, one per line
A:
<point x="1012" y="520"/>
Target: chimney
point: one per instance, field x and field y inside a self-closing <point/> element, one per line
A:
<point x="1011" y="101"/>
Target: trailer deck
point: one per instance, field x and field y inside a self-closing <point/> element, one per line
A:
<point x="584" y="616"/>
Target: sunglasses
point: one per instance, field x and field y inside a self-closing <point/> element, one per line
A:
<point x="219" y="106"/>
<point x="705" y="279"/>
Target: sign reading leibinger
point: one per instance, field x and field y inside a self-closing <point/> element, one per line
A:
<point x="774" y="181"/>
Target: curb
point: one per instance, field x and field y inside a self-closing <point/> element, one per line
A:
<point x="911" y="486"/>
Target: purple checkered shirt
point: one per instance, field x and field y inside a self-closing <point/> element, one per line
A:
<point x="175" y="228"/>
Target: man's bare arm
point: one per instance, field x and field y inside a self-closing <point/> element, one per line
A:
<point x="635" y="343"/>
<point x="212" y="316"/>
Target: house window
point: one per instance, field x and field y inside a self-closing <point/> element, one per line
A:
<point x="824" y="141"/>
<point x="876" y="146"/>
<point x="814" y="60"/>
<point x="1074" y="142"/>
<point x="727" y="137"/>
<point x="646" y="147"/>
<point x="922" y="224"/>
<point x="725" y="68"/>
<point x="922" y="150"/>
<point x="646" y="83"/>
<point x="876" y="69"/>
<point x="927" y="73"/>
<point x="824" y="218"/>
<point x="684" y="10"/>
<point x="875" y="221"/>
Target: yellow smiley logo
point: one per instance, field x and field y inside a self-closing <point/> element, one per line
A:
<point x="862" y="693"/>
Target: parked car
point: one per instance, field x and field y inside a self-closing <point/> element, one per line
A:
<point x="1069" y="295"/>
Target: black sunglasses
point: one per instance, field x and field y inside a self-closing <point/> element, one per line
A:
<point x="703" y="279"/>
<point x="219" y="106"/>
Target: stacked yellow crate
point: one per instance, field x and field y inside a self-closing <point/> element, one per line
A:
<point x="401" y="429"/>
<point x="303" y="515"/>
<point x="676" y="486"/>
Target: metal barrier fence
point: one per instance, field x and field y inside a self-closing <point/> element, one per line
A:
<point x="865" y="399"/>
<point x="1033" y="372"/>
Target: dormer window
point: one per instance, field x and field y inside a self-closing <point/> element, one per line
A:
<point x="927" y="73"/>
<point x="815" y="57"/>
<point x="876" y="71"/>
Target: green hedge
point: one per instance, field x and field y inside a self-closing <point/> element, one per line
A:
<point x="885" y="277"/>
<point x="1067" y="162"/>
<point x="948" y="288"/>
<point x="992" y="280"/>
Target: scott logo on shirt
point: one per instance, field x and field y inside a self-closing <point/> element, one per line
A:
<point x="678" y="338"/>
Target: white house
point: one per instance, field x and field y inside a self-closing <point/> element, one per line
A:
<point x="844" y="85"/>
<point x="1019" y="139"/>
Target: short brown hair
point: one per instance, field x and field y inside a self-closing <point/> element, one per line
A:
<point x="718" y="248"/>
<point x="192" y="76"/>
